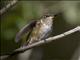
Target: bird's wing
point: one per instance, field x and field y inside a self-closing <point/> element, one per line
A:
<point x="24" y="30"/>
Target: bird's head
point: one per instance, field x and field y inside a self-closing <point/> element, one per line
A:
<point x="48" y="17"/>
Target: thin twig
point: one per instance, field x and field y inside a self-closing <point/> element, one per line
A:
<point x="50" y="39"/>
<point x="9" y="5"/>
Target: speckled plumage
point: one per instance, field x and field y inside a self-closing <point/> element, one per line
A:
<point x="40" y="30"/>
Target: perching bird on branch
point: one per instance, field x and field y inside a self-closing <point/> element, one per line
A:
<point x="36" y="31"/>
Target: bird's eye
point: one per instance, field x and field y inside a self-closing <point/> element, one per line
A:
<point x="46" y="16"/>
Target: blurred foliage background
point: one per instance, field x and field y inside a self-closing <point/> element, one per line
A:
<point x="24" y="11"/>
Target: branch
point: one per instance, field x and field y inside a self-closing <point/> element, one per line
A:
<point x="4" y="9"/>
<point x="50" y="39"/>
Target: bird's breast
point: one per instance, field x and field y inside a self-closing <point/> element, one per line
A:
<point x="39" y="32"/>
<point x="46" y="27"/>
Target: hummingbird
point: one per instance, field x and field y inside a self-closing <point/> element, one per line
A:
<point x="37" y="30"/>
